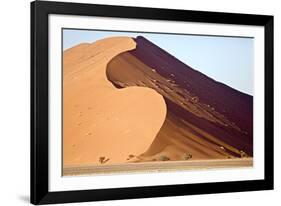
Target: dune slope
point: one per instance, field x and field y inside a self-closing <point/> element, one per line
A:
<point x="205" y="119"/>
<point x="102" y="124"/>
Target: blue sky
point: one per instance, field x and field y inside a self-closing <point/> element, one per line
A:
<point x="229" y="60"/>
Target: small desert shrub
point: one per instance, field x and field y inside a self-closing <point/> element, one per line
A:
<point x="243" y="154"/>
<point x="103" y="160"/>
<point x="187" y="156"/>
<point x="164" y="158"/>
<point x="131" y="156"/>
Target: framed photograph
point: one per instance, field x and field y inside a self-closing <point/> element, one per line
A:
<point x="131" y="102"/>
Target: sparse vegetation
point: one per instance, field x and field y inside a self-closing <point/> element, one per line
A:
<point x="130" y="156"/>
<point x="103" y="160"/>
<point x="187" y="156"/>
<point x="164" y="158"/>
<point x="243" y="154"/>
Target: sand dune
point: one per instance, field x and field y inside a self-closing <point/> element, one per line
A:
<point x="205" y="119"/>
<point x="128" y="101"/>
<point x="102" y="124"/>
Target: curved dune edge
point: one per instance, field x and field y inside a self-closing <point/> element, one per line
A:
<point x="177" y="138"/>
<point x="192" y="129"/>
<point x="102" y="124"/>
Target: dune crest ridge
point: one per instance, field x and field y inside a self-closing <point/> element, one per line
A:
<point x="205" y="118"/>
<point x="103" y="124"/>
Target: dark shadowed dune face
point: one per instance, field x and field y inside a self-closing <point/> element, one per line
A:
<point x="205" y="119"/>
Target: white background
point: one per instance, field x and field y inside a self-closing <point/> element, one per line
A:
<point x="14" y="102"/>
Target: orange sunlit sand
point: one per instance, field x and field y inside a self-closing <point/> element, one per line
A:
<point x="122" y="103"/>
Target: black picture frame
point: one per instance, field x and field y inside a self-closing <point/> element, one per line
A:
<point x="40" y="107"/>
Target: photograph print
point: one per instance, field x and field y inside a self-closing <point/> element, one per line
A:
<point x="137" y="101"/>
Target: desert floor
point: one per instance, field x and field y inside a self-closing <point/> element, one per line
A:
<point x="159" y="166"/>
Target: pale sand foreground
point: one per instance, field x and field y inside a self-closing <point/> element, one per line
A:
<point x="158" y="166"/>
<point x="101" y="122"/>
